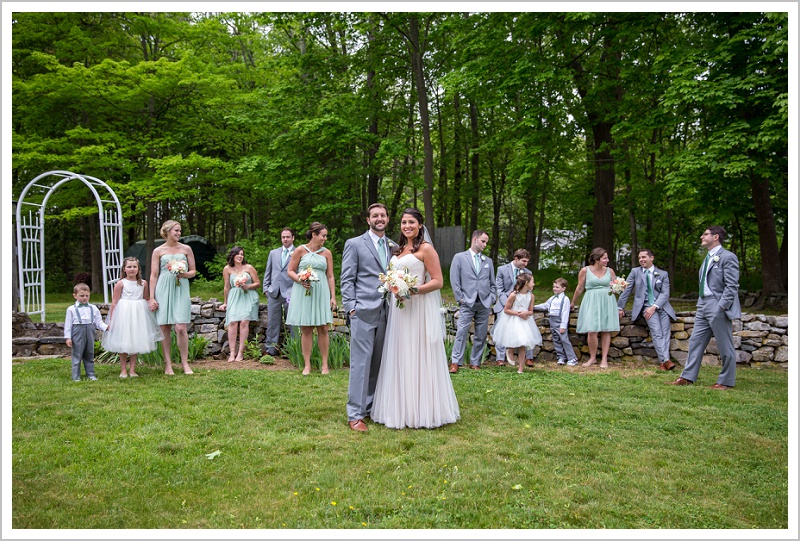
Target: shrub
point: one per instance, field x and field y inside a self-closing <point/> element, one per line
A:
<point x="338" y="352"/>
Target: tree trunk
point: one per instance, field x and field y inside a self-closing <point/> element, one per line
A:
<point x="374" y="108"/>
<point x="442" y="206"/>
<point x="632" y="220"/>
<point x="604" y="179"/>
<point x="767" y="236"/>
<point x="458" y="174"/>
<point x="475" y="182"/>
<point x="422" y="98"/>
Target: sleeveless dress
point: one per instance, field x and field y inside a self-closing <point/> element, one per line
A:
<point x="513" y="331"/>
<point x="242" y="304"/>
<point x="132" y="327"/>
<point x="598" y="309"/>
<point x="315" y="309"/>
<point x="414" y="389"/>
<point x="174" y="303"/>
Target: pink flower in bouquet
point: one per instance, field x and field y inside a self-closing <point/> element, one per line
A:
<point x="397" y="282"/>
<point x="177" y="266"/>
<point x="240" y="280"/>
<point x="618" y="285"/>
<point x="308" y="275"/>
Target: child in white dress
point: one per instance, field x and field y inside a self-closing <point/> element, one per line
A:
<point x="516" y="328"/>
<point x="132" y="327"/>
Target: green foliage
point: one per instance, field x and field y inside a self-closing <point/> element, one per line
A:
<point x="338" y="351"/>
<point x="252" y="349"/>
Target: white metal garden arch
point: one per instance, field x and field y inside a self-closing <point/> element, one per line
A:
<point x="30" y="235"/>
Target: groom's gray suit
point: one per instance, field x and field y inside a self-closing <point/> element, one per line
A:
<point x="504" y="284"/>
<point x="475" y="294"/>
<point x="368" y="310"/>
<point x="715" y="313"/>
<point x="660" y="323"/>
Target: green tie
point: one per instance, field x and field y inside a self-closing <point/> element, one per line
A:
<point x="650" y="299"/>
<point x="516" y="272"/>
<point x="382" y="251"/>
<point x="477" y="263"/>
<point x="703" y="276"/>
<point x="284" y="257"/>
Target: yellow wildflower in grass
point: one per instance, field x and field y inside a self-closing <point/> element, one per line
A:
<point x="333" y="503"/>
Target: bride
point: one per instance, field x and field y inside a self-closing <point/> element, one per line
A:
<point x="414" y="388"/>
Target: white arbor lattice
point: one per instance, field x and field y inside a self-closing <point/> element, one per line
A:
<point x="30" y="235"/>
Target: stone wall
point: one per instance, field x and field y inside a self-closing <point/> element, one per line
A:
<point x="760" y="340"/>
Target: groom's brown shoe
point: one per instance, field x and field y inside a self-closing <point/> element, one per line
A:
<point x="668" y="365"/>
<point x="453" y="368"/>
<point x="680" y="381"/>
<point x="358" y="426"/>
<point x="721" y="387"/>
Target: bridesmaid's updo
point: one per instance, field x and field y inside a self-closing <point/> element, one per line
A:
<point x="167" y="227"/>
<point x="314" y="229"/>
<point x="596" y="255"/>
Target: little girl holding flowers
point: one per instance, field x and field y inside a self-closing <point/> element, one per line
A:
<point x="241" y="300"/>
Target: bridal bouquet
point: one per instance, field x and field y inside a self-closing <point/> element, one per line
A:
<point x="308" y="275"/>
<point x="397" y="282"/>
<point x="177" y="266"/>
<point x="618" y="285"/>
<point x="240" y="280"/>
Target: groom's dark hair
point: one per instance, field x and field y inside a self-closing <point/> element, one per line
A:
<point x="377" y="205"/>
<point x="477" y="233"/>
<point x="718" y="230"/>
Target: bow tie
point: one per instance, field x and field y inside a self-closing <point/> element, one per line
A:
<point x="83" y="304"/>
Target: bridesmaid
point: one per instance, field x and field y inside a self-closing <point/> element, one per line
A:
<point x="314" y="310"/>
<point x="241" y="300"/>
<point x="169" y="293"/>
<point x="597" y="314"/>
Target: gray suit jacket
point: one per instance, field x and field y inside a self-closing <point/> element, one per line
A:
<point x="504" y="283"/>
<point x="723" y="281"/>
<point x="276" y="279"/>
<point x="467" y="286"/>
<point x="637" y="282"/>
<point x="359" y="277"/>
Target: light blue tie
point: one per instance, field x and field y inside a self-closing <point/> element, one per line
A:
<point x="477" y="263"/>
<point x="284" y="257"/>
<point x="516" y="272"/>
<point x="650" y="298"/>
<point x="382" y="251"/>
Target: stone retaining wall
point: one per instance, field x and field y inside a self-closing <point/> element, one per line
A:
<point x="760" y="340"/>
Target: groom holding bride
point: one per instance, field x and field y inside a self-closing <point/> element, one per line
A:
<point x="398" y="367"/>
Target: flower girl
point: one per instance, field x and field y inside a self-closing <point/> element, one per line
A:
<point x="516" y="328"/>
<point x="132" y="327"/>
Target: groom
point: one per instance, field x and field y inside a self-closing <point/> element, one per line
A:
<point x="363" y="259"/>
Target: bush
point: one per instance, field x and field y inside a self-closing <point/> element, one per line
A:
<point x="338" y="352"/>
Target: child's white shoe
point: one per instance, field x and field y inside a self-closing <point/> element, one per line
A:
<point x="573" y="362"/>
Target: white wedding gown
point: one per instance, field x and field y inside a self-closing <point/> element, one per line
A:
<point x="414" y="388"/>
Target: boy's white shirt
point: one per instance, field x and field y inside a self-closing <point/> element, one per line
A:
<point x="548" y="307"/>
<point x="75" y="317"/>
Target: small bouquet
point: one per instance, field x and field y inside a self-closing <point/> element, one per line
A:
<point x="308" y="275"/>
<point x="618" y="285"/>
<point x="240" y="279"/>
<point x="177" y="266"/>
<point x="397" y="282"/>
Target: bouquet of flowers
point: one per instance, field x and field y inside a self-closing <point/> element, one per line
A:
<point x="397" y="282"/>
<point x="618" y="285"/>
<point x="308" y="275"/>
<point x="240" y="279"/>
<point x="177" y="266"/>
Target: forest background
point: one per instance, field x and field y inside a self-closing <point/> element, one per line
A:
<point x="620" y="130"/>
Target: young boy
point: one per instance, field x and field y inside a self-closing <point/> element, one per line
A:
<point x="557" y="307"/>
<point x="79" y="324"/>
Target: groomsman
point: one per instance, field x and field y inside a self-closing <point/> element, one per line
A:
<point x="506" y="278"/>
<point x="473" y="283"/>
<point x="717" y="306"/>
<point x="365" y="257"/>
<point x="277" y="287"/>
<point x="651" y="300"/>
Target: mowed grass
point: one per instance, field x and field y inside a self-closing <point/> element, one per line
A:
<point x="553" y="448"/>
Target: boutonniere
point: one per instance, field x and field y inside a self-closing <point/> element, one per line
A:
<point x="483" y="258"/>
<point x="715" y="259"/>
<point x="392" y="244"/>
<point x="656" y="273"/>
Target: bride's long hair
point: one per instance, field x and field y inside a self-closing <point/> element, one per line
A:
<point x="419" y="239"/>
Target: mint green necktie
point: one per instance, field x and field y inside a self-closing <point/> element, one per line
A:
<point x="477" y="263"/>
<point x="516" y="272"/>
<point x="703" y="276"/>
<point x="650" y="299"/>
<point x="382" y="251"/>
<point x="284" y="257"/>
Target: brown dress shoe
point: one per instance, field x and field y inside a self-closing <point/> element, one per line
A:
<point x="474" y="367"/>
<point x="453" y="368"/>
<point x="662" y="366"/>
<point x="721" y="387"/>
<point x="668" y="365"/>
<point x="529" y="363"/>
<point x="502" y="363"/>
<point x="680" y="381"/>
<point x="358" y="426"/>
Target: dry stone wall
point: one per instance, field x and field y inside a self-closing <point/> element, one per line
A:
<point x="760" y="340"/>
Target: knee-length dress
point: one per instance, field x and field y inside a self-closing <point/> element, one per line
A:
<point x="513" y="331"/>
<point x="174" y="301"/>
<point x="314" y="309"/>
<point x="242" y="304"/>
<point x="414" y="389"/>
<point x="598" y="309"/>
<point x="132" y="327"/>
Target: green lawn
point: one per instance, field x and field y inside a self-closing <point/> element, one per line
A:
<point x="548" y="449"/>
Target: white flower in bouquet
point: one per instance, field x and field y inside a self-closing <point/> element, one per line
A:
<point x="397" y="282"/>
<point x="177" y="266"/>
<point x="308" y="275"/>
<point x="618" y="285"/>
<point x="240" y="280"/>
